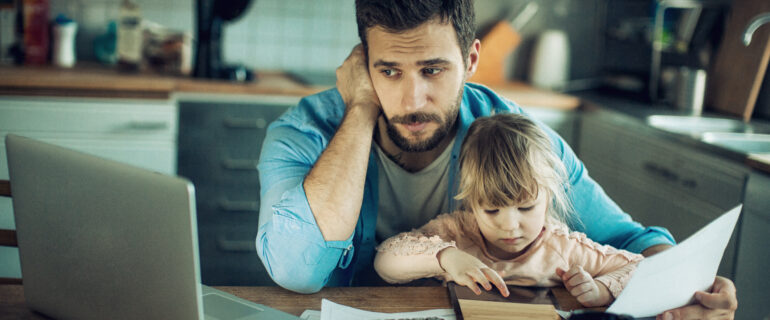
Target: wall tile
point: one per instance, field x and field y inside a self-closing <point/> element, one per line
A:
<point x="317" y="35"/>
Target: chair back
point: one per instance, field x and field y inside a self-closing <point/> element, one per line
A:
<point x="7" y="237"/>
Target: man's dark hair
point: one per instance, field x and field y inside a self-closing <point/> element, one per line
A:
<point x="402" y="15"/>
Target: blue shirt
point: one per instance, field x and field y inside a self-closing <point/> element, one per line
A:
<point x="290" y="243"/>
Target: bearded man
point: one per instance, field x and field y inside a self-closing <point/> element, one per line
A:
<point x="377" y="155"/>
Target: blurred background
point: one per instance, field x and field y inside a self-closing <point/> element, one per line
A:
<point x="315" y="36"/>
<point x="666" y="102"/>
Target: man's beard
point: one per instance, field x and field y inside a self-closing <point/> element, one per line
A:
<point x="445" y="126"/>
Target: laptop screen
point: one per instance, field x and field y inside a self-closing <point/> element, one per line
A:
<point x="101" y="239"/>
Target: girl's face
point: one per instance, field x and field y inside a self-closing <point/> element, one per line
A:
<point x="508" y="231"/>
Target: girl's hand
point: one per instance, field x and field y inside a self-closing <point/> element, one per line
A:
<point x="582" y="286"/>
<point x="467" y="270"/>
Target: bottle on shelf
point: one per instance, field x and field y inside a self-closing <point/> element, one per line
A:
<point x="129" y="45"/>
<point x="35" y="32"/>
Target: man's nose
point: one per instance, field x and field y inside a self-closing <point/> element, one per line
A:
<point x="414" y="93"/>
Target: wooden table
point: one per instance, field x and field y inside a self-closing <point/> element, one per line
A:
<point x="378" y="299"/>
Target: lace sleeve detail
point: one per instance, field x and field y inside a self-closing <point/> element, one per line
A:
<point x="615" y="281"/>
<point x="608" y="265"/>
<point x="414" y="243"/>
<point x="412" y="255"/>
<point x="603" y="250"/>
<point x="408" y="256"/>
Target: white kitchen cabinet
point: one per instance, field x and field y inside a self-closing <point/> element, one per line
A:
<point x="751" y="278"/>
<point x="140" y="132"/>
<point x="658" y="181"/>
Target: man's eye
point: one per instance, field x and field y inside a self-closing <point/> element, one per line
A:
<point x="431" y="71"/>
<point x="389" y="72"/>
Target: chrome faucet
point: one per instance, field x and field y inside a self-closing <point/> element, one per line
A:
<point x="755" y="23"/>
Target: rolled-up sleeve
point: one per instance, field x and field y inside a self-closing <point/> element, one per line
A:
<point x="289" y="241"/>
<point x="600" y="217"/>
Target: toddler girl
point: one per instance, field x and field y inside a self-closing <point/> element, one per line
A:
<point x="512" y="225"/>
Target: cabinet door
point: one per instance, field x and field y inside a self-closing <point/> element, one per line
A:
<point x="660" y="183"/>
<point x="137" y="132"/>
<point x="90" y="118"/>
<point x="219" y="147"/>
<point x="751" y="278"/>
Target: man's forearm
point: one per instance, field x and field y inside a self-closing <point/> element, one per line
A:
<point x="655" y="249"/>
<point x="335" y="185"/>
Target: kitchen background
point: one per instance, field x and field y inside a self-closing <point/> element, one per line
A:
<point x="316" y="36"/>
<point x="608" y="41"/>
<point x="672" y="177"/>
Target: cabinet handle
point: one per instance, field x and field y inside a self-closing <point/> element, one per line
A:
<point x="240" y="164"/>
<point x="238" y="123"/>
<point x="236" y="245"/>
<point x="148" y="125"/>
<point x="239" y="206"/>
<point x="661" y="171"/>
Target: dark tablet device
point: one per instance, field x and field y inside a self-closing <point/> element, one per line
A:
<point x="534" y="295"/>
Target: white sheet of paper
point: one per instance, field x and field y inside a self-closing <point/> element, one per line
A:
<point x="335" y="311"/>
<point x="669" y="279"/>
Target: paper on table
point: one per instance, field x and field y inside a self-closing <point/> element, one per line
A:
<point x="669" y="279"/>
<point x="335" y="311"/>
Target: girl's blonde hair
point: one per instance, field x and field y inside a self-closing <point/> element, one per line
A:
<point x="505" y="160"/>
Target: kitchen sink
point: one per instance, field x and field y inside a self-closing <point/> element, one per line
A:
<point x="728" y="133"/>
<point x="740" y="142"/>
<point x="697" y="125"/>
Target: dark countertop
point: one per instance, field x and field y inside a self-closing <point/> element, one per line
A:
<point x="637" y="112"/>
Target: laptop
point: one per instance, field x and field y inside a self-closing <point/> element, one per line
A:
<point x="100" y="239"/>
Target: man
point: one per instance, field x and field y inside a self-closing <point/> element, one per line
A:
<point x="351" y="166"/>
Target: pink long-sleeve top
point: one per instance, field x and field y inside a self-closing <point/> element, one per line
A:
<point x="412" y="255"/>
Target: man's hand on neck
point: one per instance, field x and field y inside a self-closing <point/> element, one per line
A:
<point x="355" y="87"/>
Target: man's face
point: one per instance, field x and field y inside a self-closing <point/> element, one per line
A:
<point x="418" y="76"/>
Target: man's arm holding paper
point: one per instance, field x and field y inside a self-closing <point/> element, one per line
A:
<point x="720" y="303"/>
<point x="587" y="196"/>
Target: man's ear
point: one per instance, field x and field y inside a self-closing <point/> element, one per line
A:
<point x="472" y="61"/>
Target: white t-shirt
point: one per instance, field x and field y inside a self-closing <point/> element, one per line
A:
<point x="409" y="200"/>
